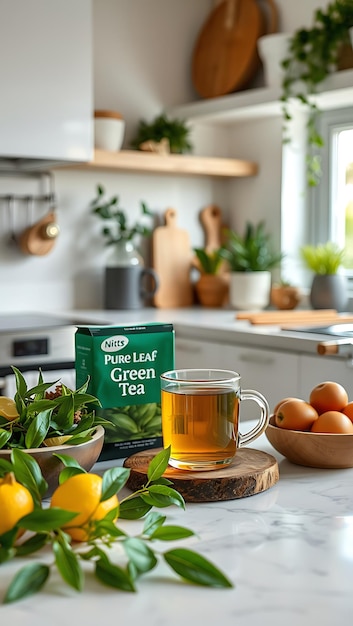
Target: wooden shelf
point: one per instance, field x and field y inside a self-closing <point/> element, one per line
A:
<point x="182" y="164"/>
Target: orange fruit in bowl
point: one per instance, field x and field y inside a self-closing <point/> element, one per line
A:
<point x="296" y="414"/>
<point x="332" y="422"/>
<point x="348" y="410"/>
<point x="81" y="494"/>
<point x="282" y="401"/>
<point x="328" y="396"/>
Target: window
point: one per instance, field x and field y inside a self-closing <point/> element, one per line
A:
<point x="332" y="200"/>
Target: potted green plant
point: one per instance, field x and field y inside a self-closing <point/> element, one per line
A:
<point x="313" y="54"/>
<point x="161" y="128"/>
<point x="213" y="285"/>
<point x="44" y="421"/>
<point x="125" y="266"/>
<point x="329" y="287"/>
<point x="250" y="258"/>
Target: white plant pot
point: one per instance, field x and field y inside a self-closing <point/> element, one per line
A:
<point x="250" y="291"/>
<point x="273" y="50"/>
<point x="109" y="130"/>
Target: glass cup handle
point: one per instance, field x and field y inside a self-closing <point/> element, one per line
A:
<point x="256" y="396"/>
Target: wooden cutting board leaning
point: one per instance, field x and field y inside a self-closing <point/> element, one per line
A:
<point x="172" y="259"/>
<point x="225" y="56"/>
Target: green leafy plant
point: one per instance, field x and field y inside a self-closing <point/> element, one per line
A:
<point x="45" y="526"/>
<point x="313" y="54"/>
<point x="210" y="262"/>
<point x="44" y="416"/>
<point x="323" y="259"/>
<point x="162" y="127"/>
<point x="250" y="252"/>
<point x="116" y="226"/>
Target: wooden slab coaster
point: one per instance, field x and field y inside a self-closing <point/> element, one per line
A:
<point x="250" y="472"/>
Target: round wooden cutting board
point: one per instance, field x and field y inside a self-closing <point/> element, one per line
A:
<point x="225" y="56"/>
<point x="251" y="472"/>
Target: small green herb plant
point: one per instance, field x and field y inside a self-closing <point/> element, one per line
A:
<point x="210" y="262"/>
<point x="323" y="259"/>
<point x="116" y="227"/>
<point x="44" y="416"/>
<point x="161" y="127"/>
<point x="252" y="251"/>
<point x="45" y="526"/>
<point x="313" y="54"/>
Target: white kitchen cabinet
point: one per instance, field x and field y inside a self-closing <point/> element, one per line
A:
<point x="46" y="105"/>
<point x="317" y="369"/>
<point x="196" y="353"/>
<point x="275" y="374"/>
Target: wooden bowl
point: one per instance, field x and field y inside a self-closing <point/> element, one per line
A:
<point x="323" y="450"/>
<point x="86" y="454"/>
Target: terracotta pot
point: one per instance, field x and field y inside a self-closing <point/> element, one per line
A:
<point x="212" y="290"/>
<point x="285" y="298"/>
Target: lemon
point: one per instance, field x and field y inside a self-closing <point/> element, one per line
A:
<point x="81" y="494"/>
<point x="15" y="502"/>
<point x="57" y="441"/>
<point x="8" y="408"/>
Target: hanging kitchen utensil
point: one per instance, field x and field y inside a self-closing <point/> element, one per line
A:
<point x="172" y="257"/>
<point x="39" y="238"/>
<point x="225" y="57"/>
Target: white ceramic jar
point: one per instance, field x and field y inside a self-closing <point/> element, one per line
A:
<point x="272" y="51"/>
<point x="109" y="130"/>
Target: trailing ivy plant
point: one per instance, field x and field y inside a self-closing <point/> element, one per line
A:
<point x="45" y="528"/>
<point x="313" y="54"/>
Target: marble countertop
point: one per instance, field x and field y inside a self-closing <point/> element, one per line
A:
<point x="288" y="552"/>
<point x="214" y="325"/>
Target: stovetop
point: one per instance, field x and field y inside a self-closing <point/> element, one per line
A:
<point x="13" y="322"/>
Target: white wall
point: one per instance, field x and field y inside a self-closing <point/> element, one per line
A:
<point x="142" y="60"/>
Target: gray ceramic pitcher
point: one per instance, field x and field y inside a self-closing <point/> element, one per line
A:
<point x="129" y="287"/>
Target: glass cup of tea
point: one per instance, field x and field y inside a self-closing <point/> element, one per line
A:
<point x="200" y="417"/>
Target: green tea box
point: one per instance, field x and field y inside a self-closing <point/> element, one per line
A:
<point x="123" y="365"/>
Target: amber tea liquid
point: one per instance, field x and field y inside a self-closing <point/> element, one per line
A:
<point x="200" y="425"/>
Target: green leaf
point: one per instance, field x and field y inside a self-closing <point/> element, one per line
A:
<point x="5" y="435"/>
<point x="38" y="429"/>
<point x="141" y="558"/>
<point x="158" y="465"/>
<point x="67" y="472"/>
<point x="195" y="568"/>
<point x="170" y="533"/>
<point x="28" y="473"/>
<point x="104" y="528"/>
<point x="113" y="575"/>
<point x="153" y="520"/>
<point x="68" y="461"/>
<point x="162" y="496"/>
<point x="29" y="580"/>
<point x="6" y="554"/>
<point x="5" y="467"/>
<point x="135" y="508"/>
<point x="114" y="479"/>
<point x="68" y="565"/>
<point x="46" y="519"/>
<point x="33" y="544"/>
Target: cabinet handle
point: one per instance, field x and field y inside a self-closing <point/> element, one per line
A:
<point x="259" y="359"/>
